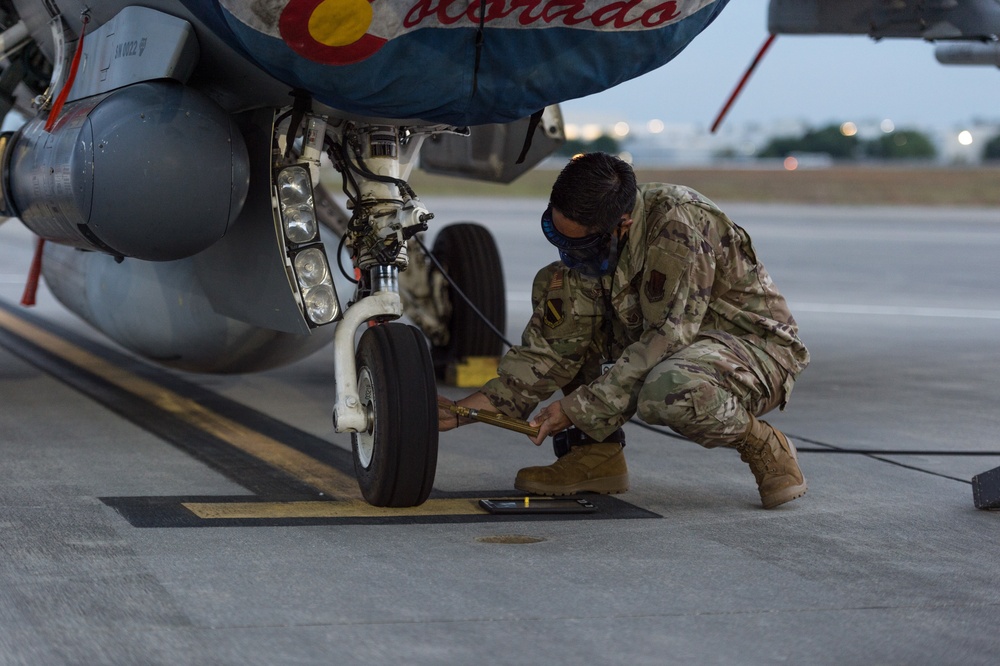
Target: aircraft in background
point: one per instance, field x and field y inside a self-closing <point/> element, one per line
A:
<point x="966" y="32"/>
<point x="171" y="155"/>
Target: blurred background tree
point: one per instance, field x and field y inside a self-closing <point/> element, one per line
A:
<point x="992" y="149"/>
<point x="906" y="144"/>
<point x="829" y="140"/>
<point x="832" y="141"/>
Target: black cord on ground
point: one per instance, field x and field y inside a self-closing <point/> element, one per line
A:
<point x="659" y="431"/>
<point x="461" y="293"/>
<point x="874" y="454"/>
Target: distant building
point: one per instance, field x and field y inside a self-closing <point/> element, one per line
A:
<point x="690" y="144"/>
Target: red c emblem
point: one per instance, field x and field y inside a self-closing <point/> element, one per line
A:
<point x="332" y="32"/>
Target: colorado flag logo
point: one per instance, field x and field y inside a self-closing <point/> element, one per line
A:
<point x="335" y="32"/>
<point x="341" y="32"/>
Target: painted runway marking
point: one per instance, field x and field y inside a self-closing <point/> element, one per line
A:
<point x="347" y="509"/>
<point x="295" y="478"/>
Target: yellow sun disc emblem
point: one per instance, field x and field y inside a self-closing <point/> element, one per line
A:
<point x="340" y="22"/>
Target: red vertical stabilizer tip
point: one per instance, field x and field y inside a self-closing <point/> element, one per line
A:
<point x="743" y="82"/>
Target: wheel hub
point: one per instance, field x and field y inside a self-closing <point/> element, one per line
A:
<point x="366" y="439"/>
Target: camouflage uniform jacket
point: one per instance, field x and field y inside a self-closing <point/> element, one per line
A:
<point x="686" y="271"/>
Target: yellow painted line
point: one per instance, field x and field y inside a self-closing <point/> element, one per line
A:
<point x="320" y="476"/>
<point x="348" y="509"/>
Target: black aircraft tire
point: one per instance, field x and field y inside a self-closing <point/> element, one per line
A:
<point x="471" y="258"/>
<point x="395" y="460"/>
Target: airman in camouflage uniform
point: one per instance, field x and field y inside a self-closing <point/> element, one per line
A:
<point x="687" y="330"/>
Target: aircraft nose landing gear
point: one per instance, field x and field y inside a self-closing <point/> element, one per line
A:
<point x="386" y="393"/>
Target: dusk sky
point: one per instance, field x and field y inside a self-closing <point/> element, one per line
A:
<point x="819" y="79"/>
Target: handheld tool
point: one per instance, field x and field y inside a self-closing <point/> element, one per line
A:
<point x="493" y="418"/>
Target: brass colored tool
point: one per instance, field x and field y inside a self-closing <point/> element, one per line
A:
<point x="493" y="418"/>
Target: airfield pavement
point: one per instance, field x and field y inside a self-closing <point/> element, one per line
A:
<point x="884" y="561"/>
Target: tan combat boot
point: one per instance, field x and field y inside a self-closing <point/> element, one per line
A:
<point x="595" y="468"/>
<point x="772" y="460"/>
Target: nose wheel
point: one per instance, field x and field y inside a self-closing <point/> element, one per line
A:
<point x="396" y="457"/>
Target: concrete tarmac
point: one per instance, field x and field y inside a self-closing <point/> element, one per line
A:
<point x="884" y="561"/>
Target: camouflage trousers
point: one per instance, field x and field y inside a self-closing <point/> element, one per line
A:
<point x="708" y="390"/>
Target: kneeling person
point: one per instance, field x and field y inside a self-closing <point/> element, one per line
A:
<point x="657" y="307"/>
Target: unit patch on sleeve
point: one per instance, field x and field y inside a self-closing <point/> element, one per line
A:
<point x="654" y="286"/>
<point x="553" y="312"/>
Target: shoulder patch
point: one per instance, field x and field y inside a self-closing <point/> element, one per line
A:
<point x="553" y="312"/>
<point x="654" y="288"/>
<point x="556" y="283"/>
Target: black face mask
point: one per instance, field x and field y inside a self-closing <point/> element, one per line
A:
<point x="593" y="255"/>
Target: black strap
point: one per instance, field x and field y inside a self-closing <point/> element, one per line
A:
<point x="300" y="107"/>
<point x="480" y="39"/>
<point x="563" y="441"/>
<point x="533" y="121"/>
<point x="607" y="325"/>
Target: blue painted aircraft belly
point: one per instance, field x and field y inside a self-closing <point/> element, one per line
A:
<point x="419" y="58"/>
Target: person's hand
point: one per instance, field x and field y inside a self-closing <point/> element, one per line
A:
<point x="447" y="419"/>
<point x="550" y="420"/>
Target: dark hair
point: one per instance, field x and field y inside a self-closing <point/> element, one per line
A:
<point x="595" y="190"/>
